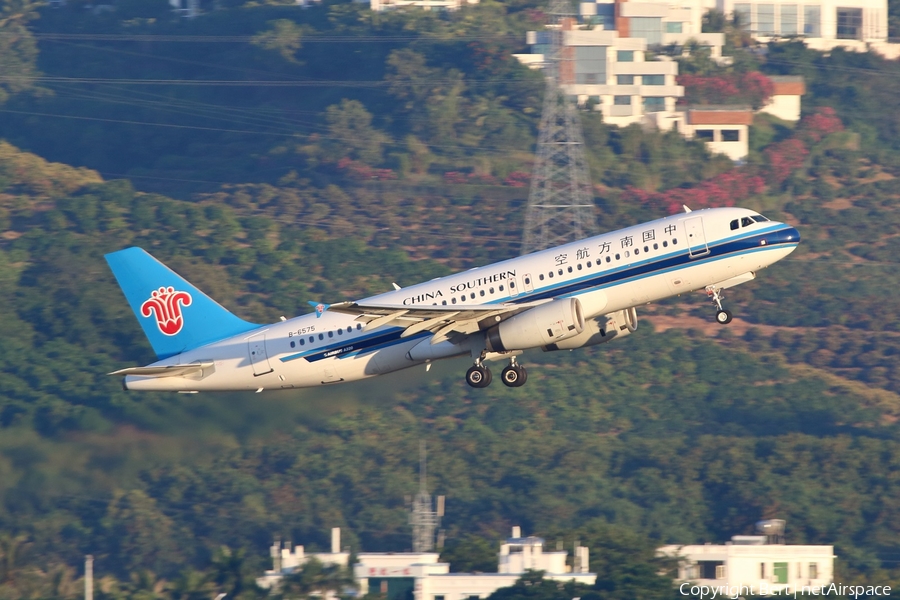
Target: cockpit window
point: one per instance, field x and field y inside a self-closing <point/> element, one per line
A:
<point x="759" y="218"/>
<point x="735" y="224"/>
<point x="746" y="222"/>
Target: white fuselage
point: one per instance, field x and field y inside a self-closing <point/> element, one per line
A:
<point x="607" y="273"/>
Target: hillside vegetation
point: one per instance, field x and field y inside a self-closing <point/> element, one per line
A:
<point x="267" y="197"/>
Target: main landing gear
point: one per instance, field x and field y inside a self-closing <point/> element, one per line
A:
<point x="723" y="317"/>
<point x="479" y="376"/>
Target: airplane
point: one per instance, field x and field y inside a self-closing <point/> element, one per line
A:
<point x="572" y="296"/>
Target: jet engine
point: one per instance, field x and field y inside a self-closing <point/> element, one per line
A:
<point x="539" y="326"/>
<point x="599" y="331"/>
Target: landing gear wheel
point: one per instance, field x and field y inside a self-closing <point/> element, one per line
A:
<point x="514" y="376"/>
<point x="723" y="317"/>
<point x="479" y="376"/>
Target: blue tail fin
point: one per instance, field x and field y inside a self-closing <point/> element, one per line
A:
<point x="174" y="315"/>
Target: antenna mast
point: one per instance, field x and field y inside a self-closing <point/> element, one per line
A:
<point x="560" y="203"/>
<point x="424" y="519"/>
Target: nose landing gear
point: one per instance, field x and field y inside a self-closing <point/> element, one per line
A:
<point x="723" y="317"/>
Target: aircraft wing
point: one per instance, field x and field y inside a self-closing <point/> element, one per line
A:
<point x="445" y="322"/>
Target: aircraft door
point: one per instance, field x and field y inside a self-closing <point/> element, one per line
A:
<point x="514" y="286"/>
<point x="529" y="286"/>
<point x="256" y="348"/>
<point x="696" y="238"/>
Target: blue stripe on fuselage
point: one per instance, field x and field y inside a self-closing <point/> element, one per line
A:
<point x="671" y="261"/>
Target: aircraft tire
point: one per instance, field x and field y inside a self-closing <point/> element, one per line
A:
<point x="478" y="377"/>
<point x="723" y="317"/>
<point x="514" y="376"/>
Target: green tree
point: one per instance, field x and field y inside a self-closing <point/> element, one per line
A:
<point x="283" y="37"/>
<point x="352" y="133"/>
<point x="18" y="50"/>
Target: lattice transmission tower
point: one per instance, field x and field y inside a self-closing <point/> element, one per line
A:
<point x="424" y="519"/>
<point x="560" y="203"/>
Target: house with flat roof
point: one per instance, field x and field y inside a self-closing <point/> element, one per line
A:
<point x="755" y="564"/>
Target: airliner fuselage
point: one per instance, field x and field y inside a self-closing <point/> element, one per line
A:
<point x="571" y="296"/>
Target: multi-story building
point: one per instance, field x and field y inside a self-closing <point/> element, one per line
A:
<point x="755" y="565"/>
<point x="421" y="575"/>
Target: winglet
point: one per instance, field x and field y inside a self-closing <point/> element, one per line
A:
<point x="686" y="208"/>
<point x="320" y="308"/>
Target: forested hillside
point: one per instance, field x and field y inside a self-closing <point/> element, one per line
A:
<point x="346" y="151"/>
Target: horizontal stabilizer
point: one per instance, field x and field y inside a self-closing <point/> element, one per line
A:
<point x="193" y="370"/>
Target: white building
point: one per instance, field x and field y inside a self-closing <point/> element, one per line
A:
<point x="382" y="5"/>
<point x="286" y="560"/>
<point x="421" y="575"/>
<point x="751" y="565"/>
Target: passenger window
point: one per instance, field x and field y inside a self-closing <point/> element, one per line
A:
<point x="527" y="280"/>
<point x="541" y="277"/>
<point x="311" y="339"/>
<point x="331" y="334"/>
<point x="321" y="337"/>
<point x="627" y="253"/>
<point x="359" y="326"/>
<point x="608" y="259"/>
<point x="636" y="251"/>
<point x="570" y="269"/>
<point x="492" y="289"/>
<point x="674" y="241"/>
<point x="512" y="284"/>
<point x="656" y="246"/>
<point x="646" y="249"/>
<point x="589" y="264"/>
<point x="472" y="296"/>
<point x="293" y="344"/>
<point x="453" y="300"/>
<point x="665" y="244"/>
<point x="302" y="342"/>
<point x="443" y="303"/>
<point x="746" y="222"/>
<point x="618" y="257"/>
<point x="501" y="287"/>
<point x="340" y="331"/>
<point x="551" y="274"/>
<point x="579" y="266"/>
<point x="481" y="293"/>
<point x="734" y="225"/>
<point x="560" y="272"/>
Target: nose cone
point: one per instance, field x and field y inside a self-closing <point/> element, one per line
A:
<point x="792" y="235"/>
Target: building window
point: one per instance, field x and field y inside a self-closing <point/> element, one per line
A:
<point x="762" y="570"/>
<point x="849" y="23"/>
<point x="812" y="21"/>
<point x="606" y="15"/>
<point x="649" y="28"/>
<point x="788" y="19"/>
<point x="674" y="27"/>
<point x="707" y="135"/>
<point x="709" y="568"/>
<point x="653" y="80"/>
<point x="742" y="16"/>
<point x="813" y="570"/>
<point x="765" y="19"/>
<point x="654" y="104"/>
<point x="625" y="79"/>
<point x="439" y="597"/>
<point x="720" y="571"/>
<point x="731" y="135"/>
<point x="625" y="55"/>
<point x="622" y="100"/>
<point x="590" y="64"/>
<point x="781" y="572"/>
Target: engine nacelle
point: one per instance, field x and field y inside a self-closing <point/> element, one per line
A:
<point x="599" y="331"/>
<point x="539" y="326"/>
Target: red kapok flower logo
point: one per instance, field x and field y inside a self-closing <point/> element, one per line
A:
<point x="166" y="304"/>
